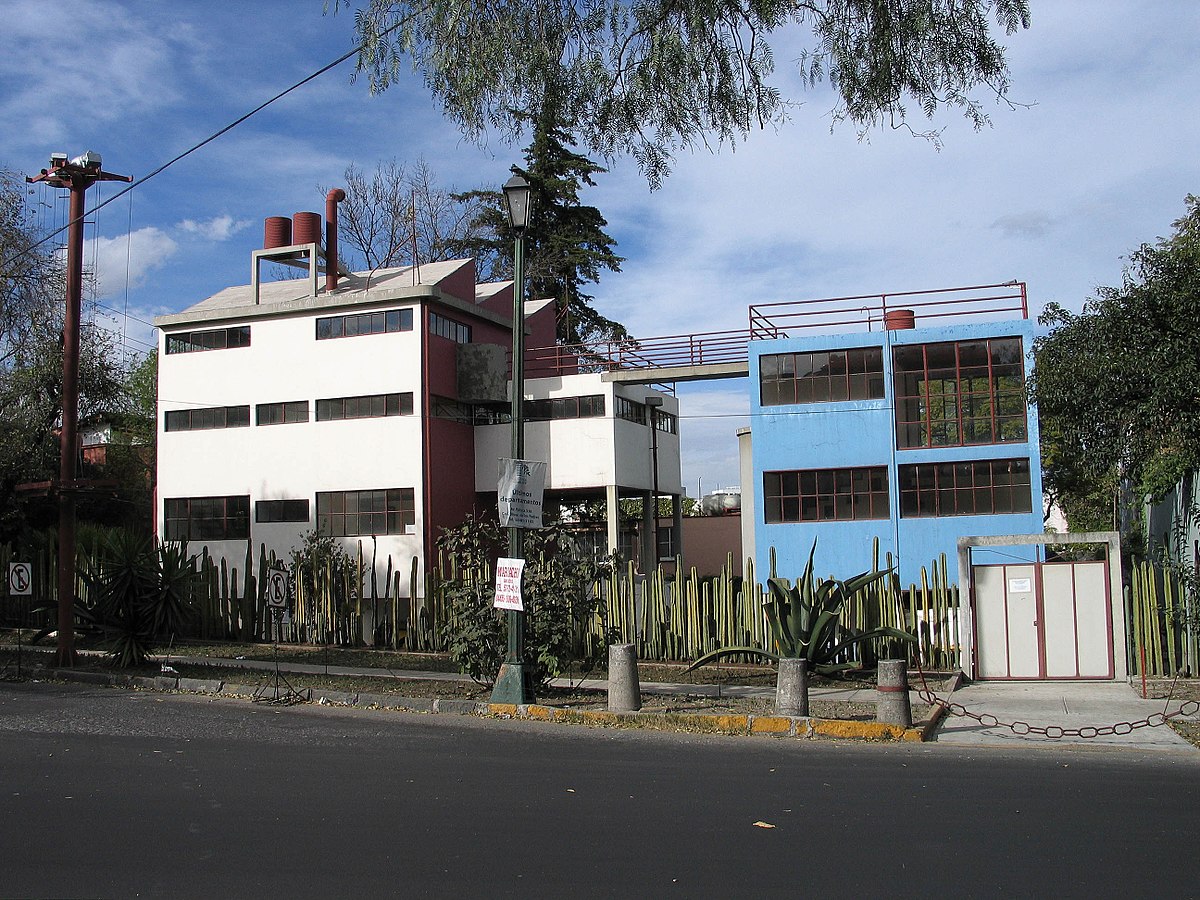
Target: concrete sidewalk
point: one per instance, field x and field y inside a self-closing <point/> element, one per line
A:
<point x="1073" y="705"/>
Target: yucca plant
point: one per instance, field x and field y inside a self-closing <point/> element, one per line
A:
<point x="805" y="621"/>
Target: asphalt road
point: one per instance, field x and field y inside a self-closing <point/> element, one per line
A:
<point x="109" y="793"/>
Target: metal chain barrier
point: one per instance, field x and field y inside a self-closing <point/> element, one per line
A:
<point x="1054" y="732"/>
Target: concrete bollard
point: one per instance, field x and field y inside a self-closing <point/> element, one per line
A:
<point x="892" y="705"/>
<point x="791" y="688"/>
<point x="624" y="690"/>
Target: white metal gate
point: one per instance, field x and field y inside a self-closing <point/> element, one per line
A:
<point x="1044" y="620"/>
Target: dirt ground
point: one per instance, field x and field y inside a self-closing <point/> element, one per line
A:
<point x="1175" y="690"/>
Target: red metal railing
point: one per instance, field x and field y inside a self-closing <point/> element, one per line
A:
<point x="776" y="320"/>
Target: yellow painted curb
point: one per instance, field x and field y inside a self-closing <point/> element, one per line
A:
<point x="771" y="725"/>
<point x="863" y="731"/>
<point x="503" y="709"/>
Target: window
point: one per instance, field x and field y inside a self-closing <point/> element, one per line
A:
<point x="207" y="518"/>
<point x="823" y="495"/>
<point x="385" y="322"/>
<point x="977" y="488"/>
<point x="631" y="410"/>
<point x="826" y="376"/>
<point x="960" y="393"/>
<point x="207" y="417"/>
<point x="666" y="422"/>
<point x="212" y="339"/>
<point x="354" y="513"/>
<point x="370" y="406"/>
<point x="448" y="328"/>
<point x="281" y="413"/>
<point x="281" y="511"/>
<point x="588" y="407"/>
<point x="666" y="541"/>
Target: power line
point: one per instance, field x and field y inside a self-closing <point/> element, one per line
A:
<point x="208" y="140"/>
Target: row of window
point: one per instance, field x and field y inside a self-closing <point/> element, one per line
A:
<point x="953" y="393"/>
<point x="822" y="377"/>
<point x="632" y="411"/>
<point x="357" y="324"/>
<point x="327" y="328"/>
<point x="448" y="328"/>
<point x="367" y="406"/>
<point x="398" y="404"/>
<point x="978" y="487"/>
<point x="587" y="407"/>
<point x="339" y="514"/>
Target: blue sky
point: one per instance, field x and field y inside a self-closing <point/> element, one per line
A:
<point x="1054" y="194"/>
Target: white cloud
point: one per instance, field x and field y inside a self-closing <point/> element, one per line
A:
<point x="220" y="228"/>
<point x="125" y="261"/>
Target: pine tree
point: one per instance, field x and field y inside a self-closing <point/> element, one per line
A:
<point x="566" y="245"/>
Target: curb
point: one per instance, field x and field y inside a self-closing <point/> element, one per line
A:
<point x="730" y="724"/>
<point x="939" y="713"/>
<point x="738" y="724"/>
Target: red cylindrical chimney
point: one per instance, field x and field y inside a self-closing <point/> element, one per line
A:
<point x="332" y="199"/>
<point x="277" y="232"/>
<point x="306" y="228"/>
<point x="899" y="319"/>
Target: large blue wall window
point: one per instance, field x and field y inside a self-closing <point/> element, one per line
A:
<point x="960" y="393"/>
<point x="826" y="495"/>
<point x="977" y="488"/>
<point x="821" y="377"/>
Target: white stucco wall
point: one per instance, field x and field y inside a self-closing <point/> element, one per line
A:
<point x="285" y="362"/>
<point x="587" y="452"/>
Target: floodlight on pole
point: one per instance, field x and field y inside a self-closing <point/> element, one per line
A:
<point x="75" y="176"/>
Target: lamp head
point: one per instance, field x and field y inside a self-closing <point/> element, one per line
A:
<point x="518" y="200"/>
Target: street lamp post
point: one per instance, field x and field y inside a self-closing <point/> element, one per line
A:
<point x="652" y="405"/>
<point x="514" y="684"/>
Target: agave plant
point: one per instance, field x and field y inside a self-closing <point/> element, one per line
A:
<point x="141" y="591"/>
<point x="805" y="621"/>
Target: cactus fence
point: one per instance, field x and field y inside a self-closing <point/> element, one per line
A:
<point x="1162" y="620"/>
<point x="669" y="618"/>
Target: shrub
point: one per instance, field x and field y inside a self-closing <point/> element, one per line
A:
<point x="557" y="590"/>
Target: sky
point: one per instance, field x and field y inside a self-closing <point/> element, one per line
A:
<point x="1096" y="158"/>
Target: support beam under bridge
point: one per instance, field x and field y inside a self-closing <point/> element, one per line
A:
<point x="667" y="374"/>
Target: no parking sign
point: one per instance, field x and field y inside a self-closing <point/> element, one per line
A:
<point x="20" y="579"/>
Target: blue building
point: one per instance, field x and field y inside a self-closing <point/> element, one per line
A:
<point x="912" y="428"/>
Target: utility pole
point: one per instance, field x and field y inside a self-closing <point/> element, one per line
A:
<point x="76" y="175"/>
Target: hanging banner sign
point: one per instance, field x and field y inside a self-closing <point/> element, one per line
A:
<point x="519" y="495"/>
<point x="508" y="584"/>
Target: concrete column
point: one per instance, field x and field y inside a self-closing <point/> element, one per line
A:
<point x="892" y="682"/>
<point x="612" y="515"/>
<point x="677" y="522"/>
<point x="791" y="688"/>
<point x="649" y="551"/>
<point x="624" y="689"/>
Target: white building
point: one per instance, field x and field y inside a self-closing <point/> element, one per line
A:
<point x="377" y="408"/>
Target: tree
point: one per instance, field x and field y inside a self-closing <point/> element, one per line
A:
<point x="1118" y="386"/>
<point x="651" y="77"/>
<point x="399" y="215"/>
<point x="567" y="246"/>
<point x="31" y="278"/>
<point x="32" y="286"/>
